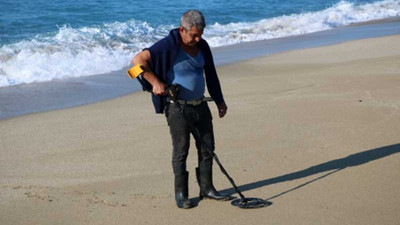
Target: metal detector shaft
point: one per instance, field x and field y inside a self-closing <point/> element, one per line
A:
<point x="198" y="136"/>
<point x="226" y="174"/>
<point x="244" y="203"/>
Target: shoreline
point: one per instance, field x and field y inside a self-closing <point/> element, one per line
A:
<point x="60" y="94"/>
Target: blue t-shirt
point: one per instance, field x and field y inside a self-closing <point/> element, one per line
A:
<point x="187" y="71"/>
<point x="163" y="55"/>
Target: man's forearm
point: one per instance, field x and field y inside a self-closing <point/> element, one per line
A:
<point x="143" y="58"/>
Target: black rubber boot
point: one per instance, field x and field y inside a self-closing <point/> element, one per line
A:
<point x="207" y="189"/>
<point x="182" y="191"/>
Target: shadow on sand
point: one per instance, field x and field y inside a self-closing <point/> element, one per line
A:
<point x="332" y="166"/>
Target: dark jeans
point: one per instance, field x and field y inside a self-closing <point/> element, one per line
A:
<point x="200" y="117"/>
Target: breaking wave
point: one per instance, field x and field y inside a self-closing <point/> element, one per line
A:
<point x="74" y="52"/>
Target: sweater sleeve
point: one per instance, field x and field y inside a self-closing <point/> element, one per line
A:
<point x="162" y="54"/>
<point x="213" y="84"/>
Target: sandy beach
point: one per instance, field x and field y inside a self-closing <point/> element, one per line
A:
<point x="314" y="131"/>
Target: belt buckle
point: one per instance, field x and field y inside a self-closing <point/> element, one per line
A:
<point x="196" y="102"/>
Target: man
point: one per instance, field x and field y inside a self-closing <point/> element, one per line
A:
<point x="181" y="58"/>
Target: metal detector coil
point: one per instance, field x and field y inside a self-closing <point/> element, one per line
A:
<point x="250" y="203"/>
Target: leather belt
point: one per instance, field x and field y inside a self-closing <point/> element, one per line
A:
<point x="195" y="102"/>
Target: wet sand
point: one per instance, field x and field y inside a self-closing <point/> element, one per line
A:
<point x="313" y="131"/>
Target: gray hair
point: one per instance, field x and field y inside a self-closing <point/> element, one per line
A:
<point x="193" y="18"/>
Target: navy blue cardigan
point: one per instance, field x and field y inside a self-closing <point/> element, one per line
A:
<point x="163" y="54"/>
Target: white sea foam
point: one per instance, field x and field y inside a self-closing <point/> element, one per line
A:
<point x="341" y="14"/>
<point x="74" y="52"/>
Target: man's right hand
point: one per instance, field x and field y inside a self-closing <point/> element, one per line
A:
<point x="143" y="58"/>
<point x="159" y="88"/>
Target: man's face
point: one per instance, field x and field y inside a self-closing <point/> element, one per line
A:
<point x="190" y="37"/>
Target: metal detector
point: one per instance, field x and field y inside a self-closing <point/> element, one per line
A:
<point x="243" y="202"/>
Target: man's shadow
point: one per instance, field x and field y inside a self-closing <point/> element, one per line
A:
<point x="332" y="166"/>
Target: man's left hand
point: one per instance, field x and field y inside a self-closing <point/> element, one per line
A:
<point x="222" y="108"/>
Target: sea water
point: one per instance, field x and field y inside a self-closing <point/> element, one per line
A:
<point x="43" y="40"/>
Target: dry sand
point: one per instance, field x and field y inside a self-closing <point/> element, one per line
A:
<point x="315" y="132"/>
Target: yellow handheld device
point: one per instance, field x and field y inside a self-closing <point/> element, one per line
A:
<point x="135" y="71"/>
